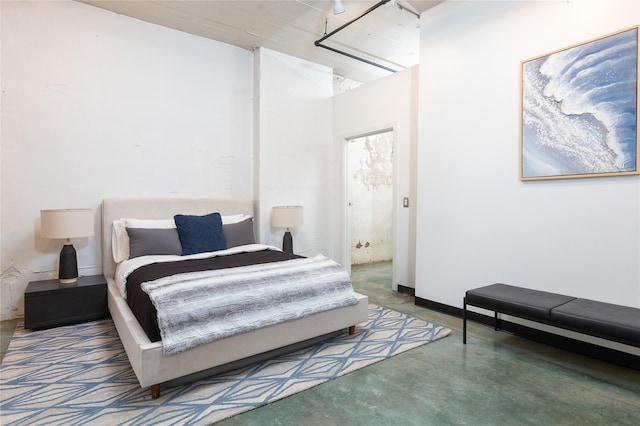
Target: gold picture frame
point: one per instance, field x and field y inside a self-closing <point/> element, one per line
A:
<point x="579" y="110"/>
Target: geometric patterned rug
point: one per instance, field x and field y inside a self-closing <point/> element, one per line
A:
<point x="80" y="374"/>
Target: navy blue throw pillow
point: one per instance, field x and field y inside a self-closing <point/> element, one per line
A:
<point x="199" y="234"/>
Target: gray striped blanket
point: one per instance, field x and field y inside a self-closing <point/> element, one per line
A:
<point x="200" y="307"/>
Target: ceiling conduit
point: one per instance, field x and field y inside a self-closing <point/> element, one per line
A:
<point x="326" y="36"/>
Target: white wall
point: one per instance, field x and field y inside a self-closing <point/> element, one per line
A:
<point x="386" y="103"/>
<point x="294" y="155"/>
<point x="98" y="105"/>
<point x="477" y="222"/>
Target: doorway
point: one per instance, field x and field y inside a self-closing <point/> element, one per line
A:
<point x="370" y="191"/>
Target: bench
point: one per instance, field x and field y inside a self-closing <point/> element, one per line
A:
<point x="604" y="320"/>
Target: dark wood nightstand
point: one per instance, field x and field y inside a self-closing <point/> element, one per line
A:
<point x="50" y="304"/>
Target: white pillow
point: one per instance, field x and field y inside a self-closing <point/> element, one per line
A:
<point x="236" y="218"/>
<point x="150" y="223"/>
<point x="119" y="241"/>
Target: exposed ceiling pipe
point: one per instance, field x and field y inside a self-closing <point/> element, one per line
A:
<point x="401" y="7"/>
<point x="326" y="36"/>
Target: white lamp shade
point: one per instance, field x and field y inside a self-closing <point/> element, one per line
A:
<point x="286" y="216"/>
<point x="66" y="223"/>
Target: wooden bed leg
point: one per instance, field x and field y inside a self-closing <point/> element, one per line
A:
<point x="155" y="391"/>
<point x="352" y="330"/>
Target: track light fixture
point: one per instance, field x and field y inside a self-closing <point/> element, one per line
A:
<point x="338" y="7"/>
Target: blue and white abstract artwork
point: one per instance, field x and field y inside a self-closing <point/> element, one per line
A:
<point x="579" y="110"/>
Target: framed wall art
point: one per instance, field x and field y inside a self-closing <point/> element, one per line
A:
<point x="579" y="110"/>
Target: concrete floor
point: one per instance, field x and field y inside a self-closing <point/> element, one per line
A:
<point x="496" y="379"/>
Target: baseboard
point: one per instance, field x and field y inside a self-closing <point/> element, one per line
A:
<point x="406" y="290"/>
<point x="584" y="348"/>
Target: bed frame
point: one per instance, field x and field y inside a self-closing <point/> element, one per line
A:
<point x="151" y="367"/>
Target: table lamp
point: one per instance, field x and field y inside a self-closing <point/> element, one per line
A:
<point x="286" y="217"/>
<point x="66" y="224"/>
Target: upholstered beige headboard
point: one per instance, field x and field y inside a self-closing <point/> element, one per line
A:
<point x="159" y="208"/>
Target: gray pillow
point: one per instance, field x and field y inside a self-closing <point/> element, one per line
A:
<point x="239" y="234"/>
<point x="148" y="241"/>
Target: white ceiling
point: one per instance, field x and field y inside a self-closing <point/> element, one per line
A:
<point x="388" y="35"/>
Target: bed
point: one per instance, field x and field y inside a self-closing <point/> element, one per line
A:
<point x="148" y="359"/>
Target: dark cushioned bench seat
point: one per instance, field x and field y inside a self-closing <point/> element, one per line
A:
<point x="517" y="301"/>
<point x="613" y="322"/>
<point x="608" y="321"/>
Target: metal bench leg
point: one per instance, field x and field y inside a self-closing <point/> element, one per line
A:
<point x="464" y="320"/>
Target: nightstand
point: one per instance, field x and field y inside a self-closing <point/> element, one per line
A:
<point x="49" y="303"/>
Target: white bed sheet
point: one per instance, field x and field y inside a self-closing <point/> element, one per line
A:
<point x="124" y="268"/>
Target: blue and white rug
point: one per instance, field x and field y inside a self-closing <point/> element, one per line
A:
<point x="80" y="374"/>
